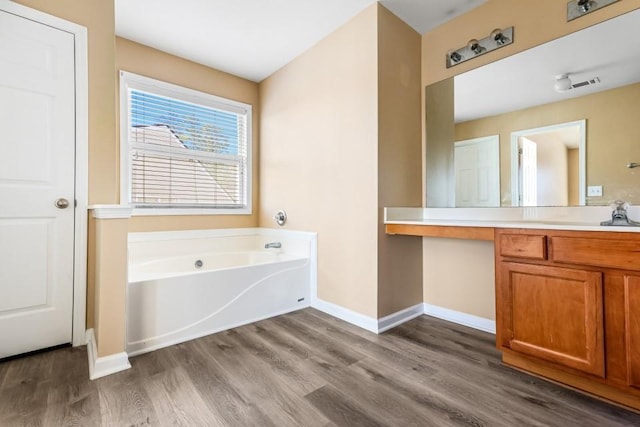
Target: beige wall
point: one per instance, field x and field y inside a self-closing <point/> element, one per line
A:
<point x="340" y="139"/>
<point x="399" y="164"/>
<point x="608" y="115"/>
<point x="149" y="62"/>
<point x="441" y="287"/>
<point x="553" y="187"/>
<point x="459" y="275"/>
<point x="319" y="157"/>
<point x="110" y="285"/>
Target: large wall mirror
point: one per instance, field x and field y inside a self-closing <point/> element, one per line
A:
<point x="517" y="133"/>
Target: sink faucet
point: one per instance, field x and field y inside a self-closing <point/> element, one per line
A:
<point x="275" y="245"/>
<point x="619" y="215"/>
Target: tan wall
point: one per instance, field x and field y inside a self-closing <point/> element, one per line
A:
<point x="610" y="139"/>
<point x="319" y="153"/>
<point x="98" y="17"/>
<point x="399" y="164"/>
<point x="149" y="62"/>
<point x="459" y="275"/>
<point x="543" y="22"/>
<point x="110" y="285"/>
<point x="553" y="188"/>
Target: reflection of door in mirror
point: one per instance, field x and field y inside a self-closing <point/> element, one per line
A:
<point x="548" y="165"/>
<point x="477" y="172"/>
<point x="528" y="174"/>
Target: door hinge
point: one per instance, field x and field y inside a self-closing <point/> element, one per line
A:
<point x="75" y="203"/>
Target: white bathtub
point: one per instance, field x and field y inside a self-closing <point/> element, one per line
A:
<point x="236" y="281"/>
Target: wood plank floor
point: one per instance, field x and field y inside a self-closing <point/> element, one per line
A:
<point x="300" y="369"/>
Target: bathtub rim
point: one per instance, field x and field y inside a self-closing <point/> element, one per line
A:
<point x="156" y="236"/>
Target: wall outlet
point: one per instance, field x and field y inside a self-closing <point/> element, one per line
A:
<point x="594" y="191"/>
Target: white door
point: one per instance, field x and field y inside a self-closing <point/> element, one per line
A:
<point x="529" y="167"/>
<point x="477" y="172"/>
<point x="37" y="149"/>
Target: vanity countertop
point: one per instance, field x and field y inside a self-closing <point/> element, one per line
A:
<point x="438" y="222"/>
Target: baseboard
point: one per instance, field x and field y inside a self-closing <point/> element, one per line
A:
<point x="349" y="316"/>
<point x="460" y="318"/>
<point x="398" y="318"/>
<point x="107" y="365"/>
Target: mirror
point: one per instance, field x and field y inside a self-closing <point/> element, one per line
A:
<point x="527" y="93"/>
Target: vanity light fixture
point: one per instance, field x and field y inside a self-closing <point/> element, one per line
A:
<point x="578" y="8"/>
<point x="497" y="39"/>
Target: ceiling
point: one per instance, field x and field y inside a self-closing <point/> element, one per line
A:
<point x="609" y="51"/>
<point x="254" y="38"/>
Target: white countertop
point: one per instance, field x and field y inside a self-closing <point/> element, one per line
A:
<point x="586" y="218"/>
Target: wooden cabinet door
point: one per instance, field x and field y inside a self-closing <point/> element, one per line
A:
<point x="632" y="328"/>
<point x="554" y="314"/>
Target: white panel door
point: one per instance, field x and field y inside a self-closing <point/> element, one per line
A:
<point x="477" y="172"/>
<point x="37" y="168"/>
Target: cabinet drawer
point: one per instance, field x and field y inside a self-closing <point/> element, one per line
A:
<point x="623" y="254"/>
<point x="533" y="246"/>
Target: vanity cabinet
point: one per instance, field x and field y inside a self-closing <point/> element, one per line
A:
<point x="568" y="308"/>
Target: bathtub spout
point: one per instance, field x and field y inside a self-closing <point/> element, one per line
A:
<point x="275" y="245"/>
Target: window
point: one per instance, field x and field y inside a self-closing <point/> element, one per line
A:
<point x="183" y="151"/>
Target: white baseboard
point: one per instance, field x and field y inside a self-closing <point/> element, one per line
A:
<point x="460" y="318"/>
<point x="398" y="318"/>
<point x="107" y="365"/>
<point x="349" y="316"/>
<point x="391" y="321"/>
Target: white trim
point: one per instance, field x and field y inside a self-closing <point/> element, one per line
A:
<point x="130" y="80"/>
<point x="349" y="316"/>
<point x="460" y="318"/>
<point x="391" y="321"/>
<point x="145" y="236"/>
<point x="81" y="152"/>
<point x="103" y="366"/>
<point x="400" y="317"/>
<point x="110" y="211"/>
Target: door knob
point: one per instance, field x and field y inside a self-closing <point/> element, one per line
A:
<point x="62" y="203"/>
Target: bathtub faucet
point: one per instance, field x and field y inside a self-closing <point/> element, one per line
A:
<point x="275" y="245"/>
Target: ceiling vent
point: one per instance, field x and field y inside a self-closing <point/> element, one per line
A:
<point x="564" y="83"/>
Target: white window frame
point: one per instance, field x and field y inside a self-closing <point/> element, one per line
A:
<point x="157" y="87"/>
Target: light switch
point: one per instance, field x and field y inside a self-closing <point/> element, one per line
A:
<point x="594" y="191"/>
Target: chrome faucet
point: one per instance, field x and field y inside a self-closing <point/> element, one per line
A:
<point x="619" y="215"/>
<point x="275" y="245"/>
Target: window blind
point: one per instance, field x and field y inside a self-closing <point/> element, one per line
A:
<point x="185" y="154"/>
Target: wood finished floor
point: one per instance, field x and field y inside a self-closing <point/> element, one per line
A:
<point x="300" y="369"/>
